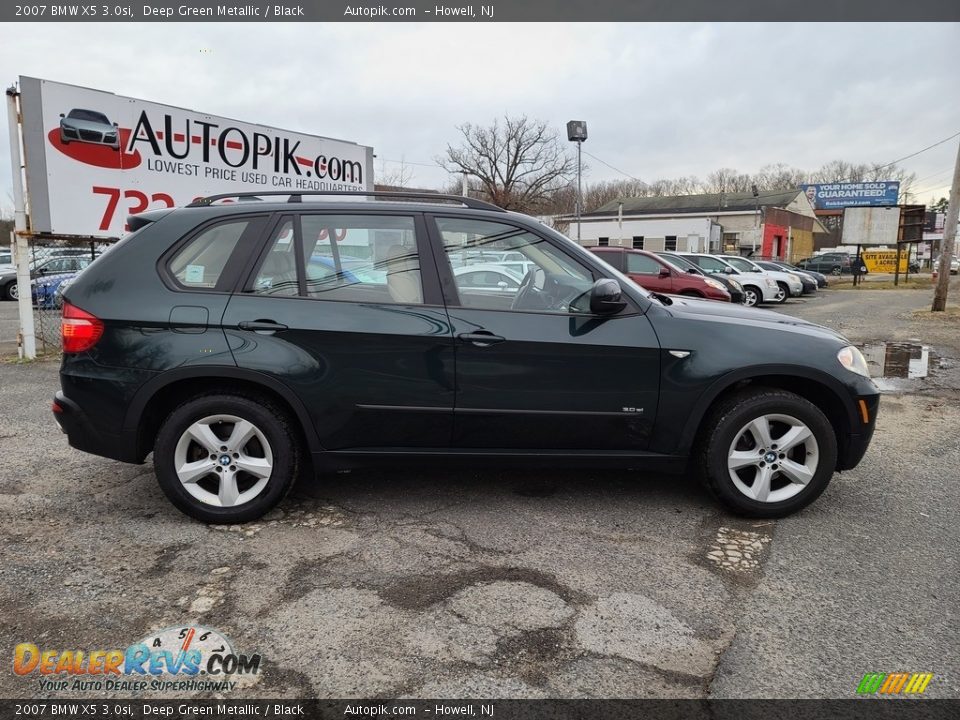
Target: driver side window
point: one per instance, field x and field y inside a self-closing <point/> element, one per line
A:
<point x="503" y="267"/>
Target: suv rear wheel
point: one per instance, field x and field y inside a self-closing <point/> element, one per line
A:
<point x="226" y="458"/>
<point x="767" y="453"/>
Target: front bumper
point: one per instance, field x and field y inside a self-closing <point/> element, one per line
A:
<point x="84" y="435"/>
<point x="854" y="446"/>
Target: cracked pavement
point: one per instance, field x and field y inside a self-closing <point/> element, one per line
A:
<point x="540" y="583"/>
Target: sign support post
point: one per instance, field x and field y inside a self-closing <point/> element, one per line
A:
<point x="27" y="341"/>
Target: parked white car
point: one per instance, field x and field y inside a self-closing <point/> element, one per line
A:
<point x="757" y="287"/>
<point x="789" y="283"/>
<point x="487" y="278"/>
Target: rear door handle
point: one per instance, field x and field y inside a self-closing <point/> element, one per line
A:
<point x="481" y="338"/>
<point x="265" y="327"/>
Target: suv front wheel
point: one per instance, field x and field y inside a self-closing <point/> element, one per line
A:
<point x="767" y="453"/>
<point x="226" y="458"/>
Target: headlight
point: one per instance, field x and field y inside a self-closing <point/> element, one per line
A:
<point x="795" y="277"/>
<point x="714" y="284"/>
<point x="853" y="360"/>
<point x="736" y="285"/>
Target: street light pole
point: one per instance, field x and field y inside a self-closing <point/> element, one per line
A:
<point x="579" y="189"/>
<point x="577" y="132"/>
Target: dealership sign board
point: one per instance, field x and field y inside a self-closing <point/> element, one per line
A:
<point x="93" y="158"/>
<point x="836" y="196"/>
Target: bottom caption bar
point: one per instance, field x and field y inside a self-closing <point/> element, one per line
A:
<point x="867" y="709"/>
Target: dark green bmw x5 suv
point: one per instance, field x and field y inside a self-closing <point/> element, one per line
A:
<point x="243" y="343"/>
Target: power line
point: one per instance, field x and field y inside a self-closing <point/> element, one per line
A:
<point x="772" y="193"/>
<point x="929" y="147"/>
<point x="604" y="162"/>
<point x="410" y="162"/>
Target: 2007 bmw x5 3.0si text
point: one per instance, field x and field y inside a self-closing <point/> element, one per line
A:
<point x="242" y="343"/>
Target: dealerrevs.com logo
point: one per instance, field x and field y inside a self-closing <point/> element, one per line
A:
<point x="181" y="659"/>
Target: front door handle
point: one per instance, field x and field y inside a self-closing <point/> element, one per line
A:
<point x="264" y="327"/>
<point x="481" y="338"/>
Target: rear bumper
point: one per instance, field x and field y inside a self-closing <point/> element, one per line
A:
<point x="84" y="435"/>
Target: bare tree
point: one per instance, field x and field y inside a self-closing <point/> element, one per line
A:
<point x="519" y="162"/>
<point x="779" y="177"/>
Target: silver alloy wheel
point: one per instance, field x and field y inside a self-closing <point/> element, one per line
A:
<point x="772" y="458"/>
<point x="14" y="291"/>
<point x="223" y="460"/>
<point x="750" y="297"/>
<point x="781" y="295"/>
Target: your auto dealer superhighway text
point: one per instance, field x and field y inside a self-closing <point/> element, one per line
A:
<point x="224" y="11"/>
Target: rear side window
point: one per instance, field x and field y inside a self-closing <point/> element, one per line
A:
<point x="347" y="258"/>
<point x="200" y="262"/>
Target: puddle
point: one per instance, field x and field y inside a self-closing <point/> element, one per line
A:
<point x="897" y="359"/>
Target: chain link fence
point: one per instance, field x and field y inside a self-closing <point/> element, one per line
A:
<point x="53" y="265"/>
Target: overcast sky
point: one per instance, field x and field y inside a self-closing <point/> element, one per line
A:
<point x="659" y="100"/>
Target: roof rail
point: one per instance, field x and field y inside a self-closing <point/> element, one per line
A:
<point x="296" y="197"/>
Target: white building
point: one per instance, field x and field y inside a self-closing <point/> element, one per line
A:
<point x="770" y="224"/>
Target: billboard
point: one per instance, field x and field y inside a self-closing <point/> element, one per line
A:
<point x="871" y="226"/>
<point x="93" y="158"/>
<point x="836" y="196"/>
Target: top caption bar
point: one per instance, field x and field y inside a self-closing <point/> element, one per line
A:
<point x="490" y="11"/>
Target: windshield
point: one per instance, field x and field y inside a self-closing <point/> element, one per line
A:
<point x="89" y="116"/>
<point x="714" y="265"/>
<point x="681" y="263"/>
<point x="741" y="264"/>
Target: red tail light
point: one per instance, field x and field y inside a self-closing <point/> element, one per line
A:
<point x="80" y="329"/>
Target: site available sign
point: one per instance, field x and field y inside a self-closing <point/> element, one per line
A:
<point x="93" y="158"/>
<point x="836" y="196"/>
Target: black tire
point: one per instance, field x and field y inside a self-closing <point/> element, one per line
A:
<point x="752" y="296"/>
<point x="784" y="293"/>
<point x="724" y="422"/>
<point x="836" y="270"/>
<point x="274" y="424"/>
<point x="10" y="290"/>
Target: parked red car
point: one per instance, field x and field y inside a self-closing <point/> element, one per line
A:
<point x="655" y="275"/>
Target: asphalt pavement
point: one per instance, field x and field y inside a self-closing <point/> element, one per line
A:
<point x="540" y="583"/>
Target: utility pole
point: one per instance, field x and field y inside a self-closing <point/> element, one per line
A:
<point x="464" y="187"/>
<point x="947" y="248"/>
<point x="27" y="345"/>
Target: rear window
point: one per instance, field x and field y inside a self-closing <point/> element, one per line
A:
<point x="200" y="262"/>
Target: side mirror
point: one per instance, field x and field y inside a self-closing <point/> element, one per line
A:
<point x="664" y="273"/>
<point x="729" y="271"/>
<point x="62" y="115"/>
<point x="502" y="285"/>
<point x="605" y="297"/>
<point x="692" y="271"/>
<point x="116" y="125"/>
